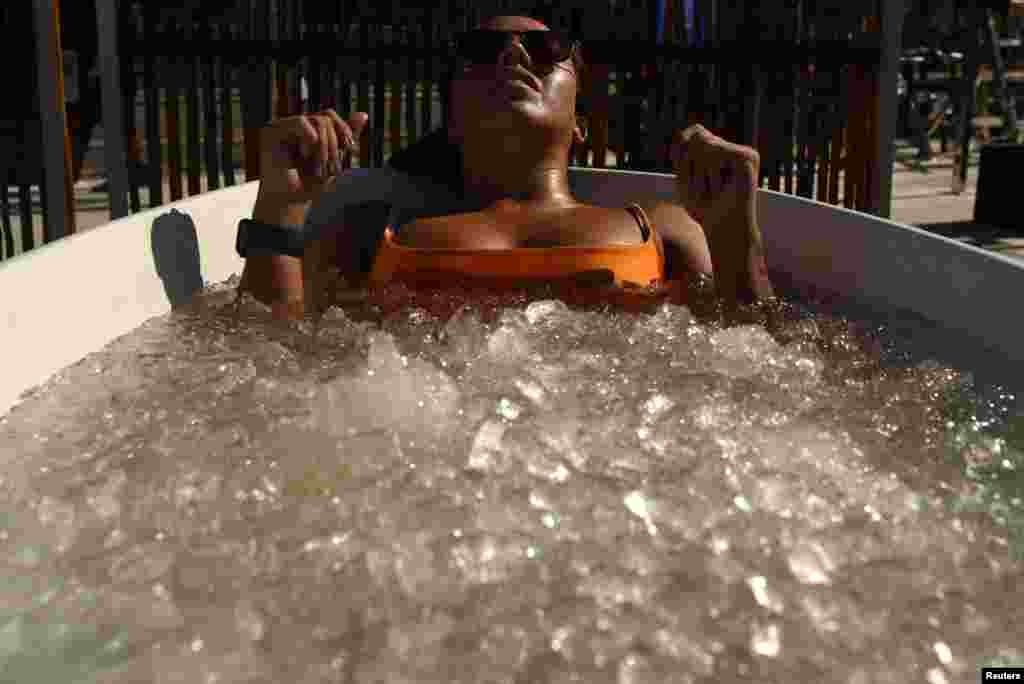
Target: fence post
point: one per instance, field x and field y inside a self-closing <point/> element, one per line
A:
<point x="56" y="166"/>
<point x="256" y="85"/>
<point x="886" y="114"/>
<point x="113" y="126"/>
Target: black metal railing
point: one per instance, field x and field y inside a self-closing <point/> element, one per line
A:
<point x="795" y="78"/>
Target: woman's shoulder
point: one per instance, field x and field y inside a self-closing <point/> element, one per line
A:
<point x="680" y="237"/>
<point x="616" y="224"/>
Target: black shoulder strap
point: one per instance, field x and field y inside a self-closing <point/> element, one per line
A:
<point x="641" y="218"/>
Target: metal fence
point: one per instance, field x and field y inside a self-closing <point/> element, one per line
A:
<point x="798" y="79"/>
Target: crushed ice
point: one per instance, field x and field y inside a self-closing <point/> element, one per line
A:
<point x="542" y="494"/>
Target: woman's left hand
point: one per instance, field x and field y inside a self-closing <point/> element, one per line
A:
<point x="715" y="179"/>
<point x="717" y="184"/>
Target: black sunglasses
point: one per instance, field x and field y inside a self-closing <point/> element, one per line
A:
<point x="482" y="46"/>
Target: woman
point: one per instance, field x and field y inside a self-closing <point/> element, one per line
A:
<point x="512" y="123"/>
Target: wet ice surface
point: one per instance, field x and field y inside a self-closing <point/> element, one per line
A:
<point x="551" y="496"/>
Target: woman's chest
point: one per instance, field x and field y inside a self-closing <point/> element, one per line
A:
<point x="577" y="227"/>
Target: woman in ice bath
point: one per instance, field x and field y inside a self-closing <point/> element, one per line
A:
<point x="509" y="216"/>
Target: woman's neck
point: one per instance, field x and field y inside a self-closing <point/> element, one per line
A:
<point x="543" y="185"/>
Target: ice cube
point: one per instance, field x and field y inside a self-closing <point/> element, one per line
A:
<point x="766" y="640"/>
<point x="486" y="561"/>
<point x="141" y="564"/>
<point x="765" y="596"/>
<point x="414" y="565"/>
<point x="642" y="507"/>
<point x="741" y="351"/>
<point x="60" y="517"/>
<point x="486" y="453"/>
<point x="464" y="334"/>
<point x="508" y="344"/>
<point x="391" y="392"/>
<point x="532" y="391"/>
<point x="551" y="311"/>
<point x="250" y="624"/>
<point x="810" y="563"/>
<point x="656" y="405"/>
<point x="508" y="409"/>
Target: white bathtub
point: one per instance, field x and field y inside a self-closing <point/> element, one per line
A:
<point x="69" y="298"/>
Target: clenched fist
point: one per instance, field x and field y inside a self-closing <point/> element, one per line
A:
<point x="717" y="184"/>
<point x="301" y="153"/>
<point x="716" y="179"/>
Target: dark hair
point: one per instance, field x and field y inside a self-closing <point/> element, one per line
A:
<point x="435" y="157"/>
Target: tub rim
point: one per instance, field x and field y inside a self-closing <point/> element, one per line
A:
<point x="873" y="262"/>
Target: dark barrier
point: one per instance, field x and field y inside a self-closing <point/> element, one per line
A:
<point x="798" y="79"/>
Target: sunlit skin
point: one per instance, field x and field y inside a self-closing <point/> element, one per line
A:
<point x="530" y="132"/>
<point x="515" y="140"/>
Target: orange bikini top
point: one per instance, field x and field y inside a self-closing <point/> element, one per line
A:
<point x="641" y="265"/>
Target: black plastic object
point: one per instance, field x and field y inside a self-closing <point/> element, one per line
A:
<point x="998" y="202"/>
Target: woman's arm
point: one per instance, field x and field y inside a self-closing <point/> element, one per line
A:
<point x="685" y="245"/>
<point x="342" y="250"/>
<point x="276" y="280"/>
<point x="301" y="157"/>
<point x="717" y="188"/>
<point x="737" y="253"/>
<point x="740" y="272"/>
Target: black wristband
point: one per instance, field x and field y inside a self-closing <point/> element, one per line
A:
<point x="267" y="237"/>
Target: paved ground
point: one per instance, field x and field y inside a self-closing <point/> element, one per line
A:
<point x="92" y="208"/>
<point x="922" y="196"/>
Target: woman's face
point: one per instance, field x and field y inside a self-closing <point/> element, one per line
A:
<point x="514" y="93"/>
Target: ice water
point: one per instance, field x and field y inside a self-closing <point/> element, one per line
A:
<point x="532" y="493"/>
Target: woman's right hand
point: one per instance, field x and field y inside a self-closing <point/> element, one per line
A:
<point x="301" y="154"/>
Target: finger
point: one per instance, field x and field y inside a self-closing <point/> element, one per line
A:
<point x="693" y="158"/>
<point x="683" y="180"/>
<point x="334" y="147"/>
<point x="728" y="176"/>
<point x="691" y="132"/>
<point x="679" y="164"/>
<point x="694" y="185"/>
<point x="343" y="132"/>
<point x="717" y="173"/>
<point x="301" y="134"/>
<point x="310" y="146"/>
<point x="324" y="156"/>
<point x="740" y="155"/>
<point x="358" y="122"/>
<point x="715" y="162"/>
<point x="735" y="149"/>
